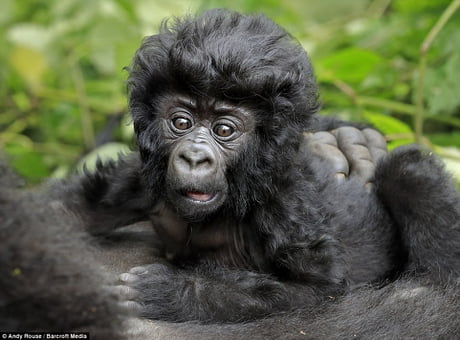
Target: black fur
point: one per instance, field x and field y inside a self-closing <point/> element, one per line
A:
<point x="294" y="238"/>
<point x="48" y="280"/>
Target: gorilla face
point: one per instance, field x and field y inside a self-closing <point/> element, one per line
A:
<point x="204" y="139"/>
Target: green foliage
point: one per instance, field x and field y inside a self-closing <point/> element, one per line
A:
<point x="397" y="131"/>
<point x="339" y="64"/>
<point x="443" y="85"/>
<point x="63" y="96"/>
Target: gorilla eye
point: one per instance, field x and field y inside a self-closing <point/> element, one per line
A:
<point x="181" y="123"/>
<point x="222" y="130"/>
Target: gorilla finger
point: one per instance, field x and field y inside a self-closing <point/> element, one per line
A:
<point x="125" y="292"/>
<point x="347" y="135"/>
<point x="128" y="277"/>
<point x="131" y="306"/>
<point x="139" y="270"/>
<point x="353" y="143"/>
<point x="333" y="156"/>
<point x="324" y="146"/>
<point x="322" y="137"/>
<point x="340" y="177"/>
<point x="363" y="169"/>
<point x="376" y="143"/>
<point x="374" y="138"/>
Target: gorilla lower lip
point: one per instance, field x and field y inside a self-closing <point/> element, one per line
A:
<point x="199" y="196"/>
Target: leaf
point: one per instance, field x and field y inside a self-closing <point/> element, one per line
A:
<point x="390" y="126"/>
<point x="351" y="65"/>
<point x="29" y="63"/>
<point x="386" y="124"/>
<point x="391" y="145"/>
<point x="442" y="86"/>
<point x="31" y="165"/>
<point x="26" y="162"/>
<point x="414" y="6"/>
<point x="446" y="139"/>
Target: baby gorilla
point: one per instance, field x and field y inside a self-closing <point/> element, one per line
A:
<point x="253" y="222"/>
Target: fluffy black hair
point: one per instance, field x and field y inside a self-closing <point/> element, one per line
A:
<point x="226" y="55"/>
<point x="245" y="59"/>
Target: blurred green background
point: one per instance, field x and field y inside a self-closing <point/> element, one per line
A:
<point x="63" y="96"/>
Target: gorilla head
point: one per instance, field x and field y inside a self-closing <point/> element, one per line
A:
<point x="219" y="104"/>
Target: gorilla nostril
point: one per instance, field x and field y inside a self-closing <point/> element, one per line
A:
<point x="184" y="159"/>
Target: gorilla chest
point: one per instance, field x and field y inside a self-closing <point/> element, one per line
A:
<point x="218" y="241"/>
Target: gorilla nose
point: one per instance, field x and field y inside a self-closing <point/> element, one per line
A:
<point x="197" y="157"/>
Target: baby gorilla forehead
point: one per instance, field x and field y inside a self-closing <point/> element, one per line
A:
<point x="201" y="102"/>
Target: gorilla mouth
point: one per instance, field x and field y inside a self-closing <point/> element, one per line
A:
<point x="199" y="196"/>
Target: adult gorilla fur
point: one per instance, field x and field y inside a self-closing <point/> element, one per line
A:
<point x="292" y="237"/>
<point x="48" y="280"/>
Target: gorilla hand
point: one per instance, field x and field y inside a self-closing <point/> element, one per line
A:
<point x="348" y="151"/>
